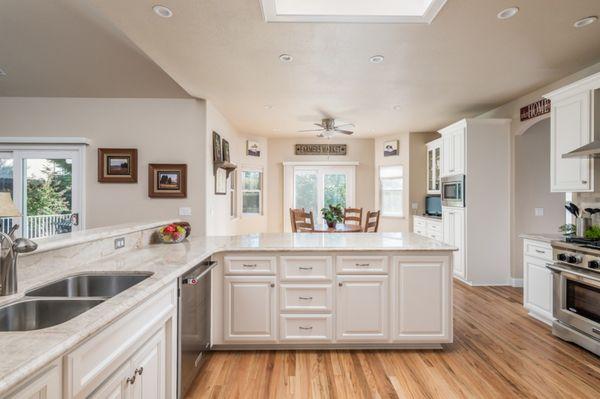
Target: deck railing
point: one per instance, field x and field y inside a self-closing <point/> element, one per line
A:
<point x="40" y="226"/>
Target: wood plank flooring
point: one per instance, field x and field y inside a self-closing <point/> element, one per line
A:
<point x="498" y="352"/>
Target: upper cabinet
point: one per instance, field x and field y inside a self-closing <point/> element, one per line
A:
<point x="574" y="108"/>
<point x="434" y="166"/>
<point x="453" y="149"/>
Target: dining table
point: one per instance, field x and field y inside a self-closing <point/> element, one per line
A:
<point x="339" y="228"/>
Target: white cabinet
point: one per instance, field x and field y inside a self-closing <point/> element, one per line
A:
<point x="250" y="308"/>
<point x="434" y="166"/>
<point x="537" y="280"/>
<point x="454" y="234"/>
<point x="428" y="227"/>
<point x="47" y="385"/>
<point x="362" y="308"/>
<point x="453" y="150"/>
<point x="423" y="297"/>
<point x="116" y="387"/>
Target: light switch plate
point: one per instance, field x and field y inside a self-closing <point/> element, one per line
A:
<point x="539" y="211"/>
<point x="415" y="205"/>
<point x="185" y="211"/>
<point x="119" y="242"/>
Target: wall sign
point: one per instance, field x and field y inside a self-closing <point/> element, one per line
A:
<point x="535" y="109"/>
<point x="321" y="149"/>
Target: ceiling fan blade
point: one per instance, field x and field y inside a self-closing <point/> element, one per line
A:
<point x="348" y="132"/>
<point x="320" y="125"/>
<point x="344" y="124"/>
<point x="310" y="130"/>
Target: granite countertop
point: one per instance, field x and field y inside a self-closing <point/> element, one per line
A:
<point x="25" y="353"/>
<point x="544" y="237"/>
<point x="439" y="218"/>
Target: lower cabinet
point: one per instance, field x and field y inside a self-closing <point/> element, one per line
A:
<point x="47" y="385"/>
<point x="454" y="234"/>
<point x="250" y="308"/>
<point x="362" y="307"/>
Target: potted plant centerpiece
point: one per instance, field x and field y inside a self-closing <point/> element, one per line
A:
<point x="332" y="215"/>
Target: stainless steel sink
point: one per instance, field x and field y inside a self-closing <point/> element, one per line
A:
<point x="90" y="285"/>
<point x="35" y="314"/>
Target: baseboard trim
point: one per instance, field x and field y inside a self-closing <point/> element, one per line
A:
<point x="516" y="282"/>
<point x="328" y="346"/>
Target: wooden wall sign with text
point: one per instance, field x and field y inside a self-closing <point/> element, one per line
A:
<point x="321" y="149"/>
<point x="535" y="109"/>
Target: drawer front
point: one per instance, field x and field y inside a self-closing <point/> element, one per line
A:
<point x="420" y="223"/>
<point x="306" y="298"/>
<point x="538" y="249"/>
<point x="420" y="231"/>
<point x="434" y="227"/>
<point x="362" y="264"/>
<point x="305" y="327"/>
<point x="308" y="268"/>
<point x="436" y="236"/>
<point x="97" y="358"/>
<point x="250" y="265"/>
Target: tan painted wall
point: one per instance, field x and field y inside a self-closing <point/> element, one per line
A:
<point x="418" y="171"/>
<point x="163" y="131"/>
<point x="280" y="150"/>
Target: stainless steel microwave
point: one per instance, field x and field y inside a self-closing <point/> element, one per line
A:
<point x="453" y="191"/>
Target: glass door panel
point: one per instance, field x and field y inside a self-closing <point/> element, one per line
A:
<point x="7" y="185"/>
<point x="306" y="190"/>
<point x="335" y="189"/>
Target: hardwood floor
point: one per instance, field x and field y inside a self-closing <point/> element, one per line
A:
<point x="498" y="352"/>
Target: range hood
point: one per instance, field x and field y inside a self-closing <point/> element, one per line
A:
<point x="592" y="148"/>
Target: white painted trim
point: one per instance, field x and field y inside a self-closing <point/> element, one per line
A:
<point x="320" y="163"/>
<point x="591" y="82"/>
<point x="516" y="282"/>
<point x="269" y="11"/>
<point x="530" y="123"/>
<point x="45" y="140"/>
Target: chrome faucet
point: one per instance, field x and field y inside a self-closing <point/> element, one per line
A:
<point x="10" y="248"/>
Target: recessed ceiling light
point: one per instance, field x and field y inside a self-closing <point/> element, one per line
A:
<point x="163" y="11"/>
<point x="267" y="106"/>
<point x="585" y="21"/>
<point x="508" y="13"/>
<point x="376" y="59"/>
<point x="286" y="58"/>
<point x="396" y="108"/>
<point x="2" y="72"/>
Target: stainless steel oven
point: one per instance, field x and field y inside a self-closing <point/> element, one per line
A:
<point x="453" y="191"/>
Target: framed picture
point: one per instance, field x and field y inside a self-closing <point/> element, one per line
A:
<point x="221" y="182"/>
<point x="217" y="154"/>
<point x="252" y="148"/>
<point x="226" y="157"/>
<point x="167" y="180"/>
<point x="117" y="165"/>
<point x="390" y="148"/>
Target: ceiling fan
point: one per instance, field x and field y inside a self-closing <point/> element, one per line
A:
<point x="328" y="128"/>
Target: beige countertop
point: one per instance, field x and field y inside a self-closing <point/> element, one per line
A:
<point x="25" y="353"/>
<point x="544" y="237"/>
<point x="437" y="218"/>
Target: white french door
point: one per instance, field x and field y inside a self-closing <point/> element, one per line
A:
<point x="46" y="186"/>
<point x="315" y="186"/>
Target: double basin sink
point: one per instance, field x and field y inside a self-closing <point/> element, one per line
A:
<point x="62" y="300"/>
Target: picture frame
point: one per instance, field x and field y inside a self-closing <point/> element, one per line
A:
<point x="252" y="148"/>
<point x="391" y="148"/>
<point x="167" y="180"/>
<point x="221" y="182"/>
<point x="117" y="165"/>
<point x="217" y="152"/>
<point x="226" y="155"/>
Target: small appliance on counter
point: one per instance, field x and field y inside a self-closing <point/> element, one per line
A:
<point x="433" y="205"/>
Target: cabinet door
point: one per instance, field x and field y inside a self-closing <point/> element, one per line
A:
<point x="362" y="308"/>
<point x="116" y="387"/>
<point x="422" y="300"/>
<point x="46" y="386"/>
<point x="570" y="129"/>
<point x="459" y="152"/>
<point x="448" y="154"/>
<point x="430" y="170"/>
<point x="250" y="311"/>
<point x="538" y="287"/>
<point x="453" y="220"/>
<point x="148" y="366"/>
<point x="437" y="188"/>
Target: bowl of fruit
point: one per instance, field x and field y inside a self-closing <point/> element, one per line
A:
<point x="171" y="234"/>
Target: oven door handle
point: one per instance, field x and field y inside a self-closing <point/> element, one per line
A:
<point x="593" y="279"/>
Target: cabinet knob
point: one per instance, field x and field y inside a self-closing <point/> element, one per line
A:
<point x="138" y="371"/>
<point x="131" y="380"/>
<point x="272" y="285"/>
<point x="584" y="182"/>
<point x="340" y="284"/>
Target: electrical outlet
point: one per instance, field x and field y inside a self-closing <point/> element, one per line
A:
<point x="415" y="205"/>
<point x="119" y="242"/>
<point x="539" y="212"/>
<point x="185" y="211"/>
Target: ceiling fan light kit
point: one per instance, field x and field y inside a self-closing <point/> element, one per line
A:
<point x="328" y="128"/>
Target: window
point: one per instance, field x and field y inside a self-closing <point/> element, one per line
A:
<point x="233" y="209"/>
<point x="391" y="183"/>
<point x="252" y="192"/>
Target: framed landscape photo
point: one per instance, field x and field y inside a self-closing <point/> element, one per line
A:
<point x="253" y="148"/>
<point x="117" y="165"/>
<point x="226" y="156"/>
<point x="217" y="154"/>
<point x="167" y="180"/>
<point x="390" y="148"/>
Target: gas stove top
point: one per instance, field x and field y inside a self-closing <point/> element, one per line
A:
<point x="578" y="252"/>
<point x="584" y="242"/>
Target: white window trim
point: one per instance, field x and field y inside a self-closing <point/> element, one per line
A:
<point x="260" y="191"/>
<point x="380" y="193"/>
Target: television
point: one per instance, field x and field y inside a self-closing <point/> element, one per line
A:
<point x="433" y="205"/>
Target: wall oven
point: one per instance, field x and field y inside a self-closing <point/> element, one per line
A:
<point x="453" y="191"/>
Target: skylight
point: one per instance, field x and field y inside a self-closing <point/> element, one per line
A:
<point x="384" y="11"/>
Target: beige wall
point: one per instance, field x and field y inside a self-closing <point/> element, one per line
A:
<point x="280" y="150"/>
<point x="163" y="131"/>
<point x="418" y="171"/>
<point x="400" y="224"/>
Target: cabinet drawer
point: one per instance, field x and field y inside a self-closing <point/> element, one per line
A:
<point x="306" y="297"/>
<point x="362" y="264"/>
<point x="310" y="268"/>
<point x="420" y="223"/>
<point x="436" y="236"/>
<point x="419" y="231"/>
<point x="250" y="265"/>
<point x="538" y="249"/>
<point x="305" y="327"/>
<point x="434" y="227"/>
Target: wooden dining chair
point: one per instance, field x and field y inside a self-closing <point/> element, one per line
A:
<point x="301" y="220"/>
<point x="353" y="216"/>
<point x="372" y="222"/>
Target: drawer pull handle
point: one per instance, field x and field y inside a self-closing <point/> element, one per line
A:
<point x="138" y="371"/>
<point x="596" y="331"/>
<point x="306" y="298"/>
<point x="249" y="265"/>
<point x="304" y="268"/>
<point x="539" y="251"/>
<point x="305" y="328"/>
<point x="131" y="380"/>
<point x="362" y="264"/>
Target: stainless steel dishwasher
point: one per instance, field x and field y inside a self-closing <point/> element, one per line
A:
<point x="194" y="315"/>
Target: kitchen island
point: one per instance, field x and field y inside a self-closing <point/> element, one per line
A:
<point x="371" y="290"/>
